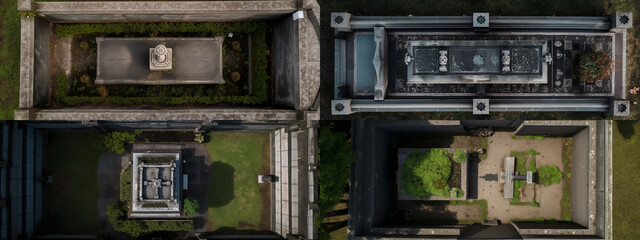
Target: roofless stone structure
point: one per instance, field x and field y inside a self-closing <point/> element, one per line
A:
<point x="156" y="185"/>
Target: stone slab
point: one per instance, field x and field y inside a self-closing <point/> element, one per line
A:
<point x="126" y="61"/>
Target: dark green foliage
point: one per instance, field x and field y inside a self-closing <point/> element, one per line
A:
<point x="117" y="214"/>
<point x="191" y="206"/>
<point x="175" y="95"/>
<point x="427" y="173"/>
<point x="460" y="156"/>
<point x="125" y="186"/>
<point x="335" y="157"/>
<point x="114" y="141"/>
<point x="548" y="175"/>
<point x="458" y="193"/>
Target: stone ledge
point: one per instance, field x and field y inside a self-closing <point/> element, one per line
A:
<point x="171" y="7"/>
<point x="111" y="114"/>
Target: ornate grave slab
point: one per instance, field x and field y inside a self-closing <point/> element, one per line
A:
<point x="178" y="61"/>
<point x="477" y="62"/>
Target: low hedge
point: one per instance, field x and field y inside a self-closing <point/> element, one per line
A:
<point x="117" y="214"/>
<point x="258" y="53"/>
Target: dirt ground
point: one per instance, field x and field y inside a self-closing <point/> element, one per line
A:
<point x="501" y="145"/>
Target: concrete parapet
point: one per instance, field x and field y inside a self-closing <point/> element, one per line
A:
<point x="25" y="5"/>
<point x="78" y="114"/>
<point x="164" y="11"/>
<point x="27" y="40"/>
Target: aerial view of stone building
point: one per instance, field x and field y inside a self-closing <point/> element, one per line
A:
<point x="480" y="63"/>
<point x="319" y="119"/>
<point x="217" y="60"/>
<point x="481" y="179"/>
<point x="174" y="180"/>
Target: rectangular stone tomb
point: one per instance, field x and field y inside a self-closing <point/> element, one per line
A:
<point x="403" y="153"/>
<point x="476" y="62"/>
<point x="129" y="61"/>
<point x="156" y="184"/>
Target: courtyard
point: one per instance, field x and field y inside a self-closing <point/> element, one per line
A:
<point x="222" y="177"/>
<point x="76" y="67"/>
<point x="531" y="202"/>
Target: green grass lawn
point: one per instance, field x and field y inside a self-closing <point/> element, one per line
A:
<point x="9" y="58"/>
<point x="234" y="196"/>
<point x="72" y="198"/>
<point x="626" y="139"/>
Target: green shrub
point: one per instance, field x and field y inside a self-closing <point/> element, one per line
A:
<point x="125" y="185"/>
<point x="539" y="138"/>
<point x="528" y="137"/>
<point x="460" y="156"/>
<point x="593" y="66"/>
<point x="117" y="214"/>
<point x="427" y="173"/>
<point x="333" y="169"/>
<point x="191" y="207"/>
<point x="114" y="141"/>
<point x="457" y="193"/>
<point x="548" y="175"/>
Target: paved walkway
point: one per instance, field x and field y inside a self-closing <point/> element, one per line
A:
<point x="501" y="145"/>
<point x="198" y="167"/>
<point x="109" y="168"/>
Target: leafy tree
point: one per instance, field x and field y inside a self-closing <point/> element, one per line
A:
<point x="427" y="173"/>
<point x="460" y="156"/>
<point x="114" y="141"/>
<point x="335" y="156"/>
<point x="548" y="175"/>
<point x="593" y="66"/>
<point x="191" y="206"/>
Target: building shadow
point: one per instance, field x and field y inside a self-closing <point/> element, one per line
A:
<point x="221" y="184"/>
<point x="625" y="128"/>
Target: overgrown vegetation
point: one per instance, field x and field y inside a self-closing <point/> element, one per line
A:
<point x="565" y="203"/>
<point x="125" y="186"/>
<point x="626" y="179"/>
<point x="548" y="175"/>
<point x="457" y="192"/>
<point x="426" y="173"/>
<point x="115" y="141"/>
<point x="9" y="58"/>
<point x="460" y="156"/>
<point x="117" y="214"/>
<point x="335" y="157"/>
<point x="593" y="66"/>
<point x="191" y="206"/>
<point x="175" y="94"/>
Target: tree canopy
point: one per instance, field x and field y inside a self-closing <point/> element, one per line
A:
<point x="427" y="173"/>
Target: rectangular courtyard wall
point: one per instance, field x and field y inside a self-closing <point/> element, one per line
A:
<point x="580" y="178"/>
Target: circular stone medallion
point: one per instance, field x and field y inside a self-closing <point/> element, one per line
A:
<point x="478" y="60"/>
